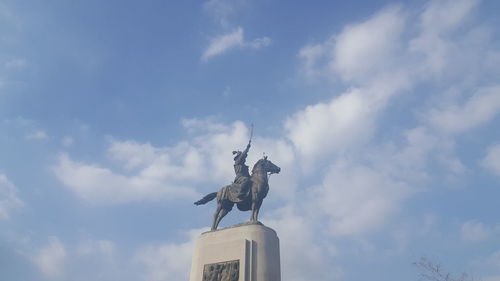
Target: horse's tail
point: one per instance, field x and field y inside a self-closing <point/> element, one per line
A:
<point x="206" y="199"/>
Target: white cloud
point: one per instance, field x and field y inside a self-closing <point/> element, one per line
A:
<point x="168" y="262"/>
<point x="342" y="123"/>
<point x="28" y="127"/>
<point x="234" y="39"/>
<point x="361" y="50"/>
<point x="259" y="43"/>
<point x="313" y="58"/>
<point x="439" y="19"/>
<point x="475" y="231"/>
<point x="331" y="127"/>
<point x="223" y="10"/>
<point x="133" y="154"/>
<point x="101" y="185"/>
<point x="37" y="135"/>
<point x="373" y="56"/>
<point x="364" y="53"/>
<point x="102" y="248"/>
<point x="367" y="183"/>
<point x="369" y="55"/>
<point x="419" y="144"/>
<point x="222" y="43"/>
<point x="159" y="173"/>
<point x="446" y="15"/>
<point x="146" y="172"/>
<point x="51" y="259"/>
<point x="480" y="108"/>
<point x="356" y="199"/>
<point x="372" y="53"/>
<point x="99" y="259"/>
<point x="492" y="159"/>
<point x="303" y="257"/>
<point x="82" y="260"/>
<point x="9" y="199"/>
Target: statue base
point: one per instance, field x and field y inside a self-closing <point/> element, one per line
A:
<point x="244" y="252"/>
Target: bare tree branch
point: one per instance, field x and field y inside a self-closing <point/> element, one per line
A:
<point x="432" y="271"/>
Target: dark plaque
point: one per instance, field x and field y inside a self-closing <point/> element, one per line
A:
<point x="222" y="271"/>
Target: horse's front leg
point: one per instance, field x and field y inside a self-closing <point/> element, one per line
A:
<point x="255" y="206"/>
<point x="258" y="204"/>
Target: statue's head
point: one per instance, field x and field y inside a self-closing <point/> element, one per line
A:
<point x="236" y="154"/>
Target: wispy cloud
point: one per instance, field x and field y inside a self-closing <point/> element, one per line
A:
<point x="51" y="259"/>
<point x="37" y="135"/>
<point x="147" y="172"/>
<point x="225" y="13"/>
<point x="222" y="11"/>
<point x="9" y="199"/>
<point x="168" y="261"/>
<point x="232" y="40"/>
<point x="29" y="128"/>
<point x="475" y="231"/>
<point x="491" y="160"/>
<point x="152" y="173"/>
<point x="222" y="43"/>
<point x="481" y="107"/>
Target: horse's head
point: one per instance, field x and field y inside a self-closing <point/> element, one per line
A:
<point x="267" y="166"/>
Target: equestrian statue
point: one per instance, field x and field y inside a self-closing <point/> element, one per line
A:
<point x="246" y="191"/>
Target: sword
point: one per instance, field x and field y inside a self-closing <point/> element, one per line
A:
<point x="251" y="134"/>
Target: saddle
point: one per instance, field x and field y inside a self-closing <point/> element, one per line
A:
<point x="238" y="191"/>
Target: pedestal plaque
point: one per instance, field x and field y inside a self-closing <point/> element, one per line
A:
<point x="223" y="271"/>
<point x="245" y="252"/>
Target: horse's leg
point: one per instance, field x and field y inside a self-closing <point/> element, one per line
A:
<point x="253" y="212"/>
<point x="254" y="204"/>
<point x="258" y="204"/>
<point x="216" y="215"/>
<point x="224" y="210"/>
<point x="219" y="217"/>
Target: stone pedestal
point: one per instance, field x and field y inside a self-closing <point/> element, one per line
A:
<point x="245" y="252"/>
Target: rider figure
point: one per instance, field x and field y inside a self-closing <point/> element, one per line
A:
<point x="238" y="190"/>
<point x="240" y="168"/>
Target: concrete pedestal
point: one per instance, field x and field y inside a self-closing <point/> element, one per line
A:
<point x="245" y="252"/>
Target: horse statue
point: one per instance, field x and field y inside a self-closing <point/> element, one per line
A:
<point x="259" y="187"/>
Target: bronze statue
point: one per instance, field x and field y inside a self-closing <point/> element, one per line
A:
<point x="247" y="191"/>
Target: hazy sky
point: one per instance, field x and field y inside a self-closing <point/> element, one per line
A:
<point x="115" y="116"/>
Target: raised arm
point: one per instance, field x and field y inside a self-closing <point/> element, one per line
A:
<point x="243" y="156"/>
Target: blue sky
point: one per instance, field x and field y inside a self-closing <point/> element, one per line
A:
<point x="116" y="115"/>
